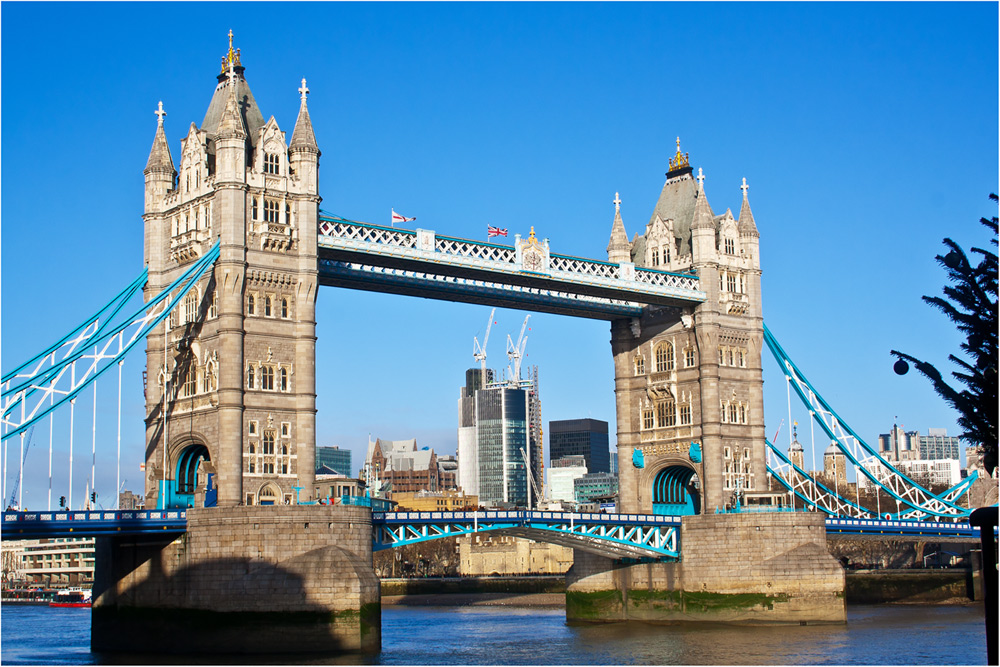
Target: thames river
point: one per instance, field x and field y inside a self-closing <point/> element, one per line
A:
<point x="874" y="635"/>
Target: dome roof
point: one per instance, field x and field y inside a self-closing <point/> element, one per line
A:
<point x="796" y="446"/>
<point x="832" y="450"/>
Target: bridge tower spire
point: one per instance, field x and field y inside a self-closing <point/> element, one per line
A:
<point x="236" y="358"/>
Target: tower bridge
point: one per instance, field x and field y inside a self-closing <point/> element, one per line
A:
<point x="236" y="249"/>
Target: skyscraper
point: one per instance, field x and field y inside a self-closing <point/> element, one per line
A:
<point x="334" y="458"/>
<point x="500" y="426"/>
<point x="581" y="437"/>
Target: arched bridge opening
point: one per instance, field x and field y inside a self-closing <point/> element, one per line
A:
<point x="676" y="492"/>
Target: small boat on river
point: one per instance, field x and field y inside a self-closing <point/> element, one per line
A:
<point x="72" y="597"/>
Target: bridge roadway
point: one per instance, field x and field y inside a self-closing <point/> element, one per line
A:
<point x="630" y="536"/>
<point x="526" y="275"/>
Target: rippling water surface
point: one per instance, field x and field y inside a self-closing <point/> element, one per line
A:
<point x="884" y="635"/>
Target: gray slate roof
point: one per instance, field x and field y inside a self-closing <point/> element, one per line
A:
<point x="250" y="112"/>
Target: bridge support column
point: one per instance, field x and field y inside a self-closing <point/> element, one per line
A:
<point x="295" y="579"/>
<point x="736" y="568"/>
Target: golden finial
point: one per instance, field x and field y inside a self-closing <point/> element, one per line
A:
<point x="232" y="57"/>
<point x="531" y="236"/>
<point x="680" y="159"/>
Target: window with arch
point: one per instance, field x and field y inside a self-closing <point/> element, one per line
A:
<point x="743" y="414"/>
<point x="288" y="214"/>
<point x="268" y="443"/>
<point x="268" y="467"/>
<point x="685" y="414"/>
<point x="664" y="357"/>
<point x="252" y="427"/>
<point x="253" y="208"/>
<point x="190" y="307"/>
<point x="272" y="163"/>
<point x="743" y="357"/>
<point x="722" y="355"/>
<point x="251" y="304"/>
<point x="267" y="306"/>
<point x="267" y="378"/>
<point x="188" y="383"/>
<point x="732" y="413"/>
<point x="270" y="210"/>
<point x="730" y="356"/>
<point x="206" y="379"/>
<point x="213" y="305"/>
<point x="284" y="467"/>
<point x="286" y="429"/>
<point x="251" y="378"/>
<point x="284" y="308"/>
<point x="689" y="357"/>
<point x="640" y="365"/>
<point x="283" y="379"/>
<point x="284" y="450"/>
<point x="173" y="318"/>
<point x="647" y="418"/>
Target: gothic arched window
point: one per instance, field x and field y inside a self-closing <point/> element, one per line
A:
<point x="190" y="307"/>
<point x="267" y="378"/>
<point x="268" y="442"/>
<point x="251" y="379"/>
<point x="267" y="306"/>
<point x="284" y="308"/>
<point x="251" y="304"/>
<point x="283" y="379"/>
<point x="664" y="357"/>
<point x="640" y="365"/>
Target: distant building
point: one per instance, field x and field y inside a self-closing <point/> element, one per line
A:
<point x="835" y="468"/>
<point x="581" y="437"/>
<point x="333" y="485"/>
<point x="484" y="554"/>
<point x="55" y="562"/>
<point x="334" y="458"/>
<point x="562" y="474"/>
<point x="447" y="473"/>
<point x="131" y="501"/>
<point x="937" y="445"/>
<point x="500" y="439"/>
<point x="940" y="473"/>
<point x="398" y="466"/>
<point x="434" y="501"/>
<point x="595" y="485"/>
<point x="613" y="459"/>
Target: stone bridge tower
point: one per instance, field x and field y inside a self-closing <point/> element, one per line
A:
<point x="688" y="381"/>
<point x="230" y="387"/>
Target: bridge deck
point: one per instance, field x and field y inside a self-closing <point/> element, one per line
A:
<point x="419" y="263"/>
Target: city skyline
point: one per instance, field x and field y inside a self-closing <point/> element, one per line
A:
<point x="840" y="117"/>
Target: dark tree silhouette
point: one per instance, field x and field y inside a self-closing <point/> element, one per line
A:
<point x="970" y="301"/>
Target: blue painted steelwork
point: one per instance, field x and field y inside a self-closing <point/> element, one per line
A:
<point x="638" y="460"/>
<point x="611" y="535"/>
<point x="100" y="342"/>
<point x="814" y="494"/>
<point x="918" y="499"/>
<point x="24" y="525"/>
<point x="670" y="493"/>
<point x="694" y="452"/>
<point x="896" y="528"/>
<point x="363" y="256"/>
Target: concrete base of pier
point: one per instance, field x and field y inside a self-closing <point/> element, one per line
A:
<point x="295" y="579"/>
<point x="735" y="568"/>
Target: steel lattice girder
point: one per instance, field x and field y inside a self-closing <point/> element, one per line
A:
<point x="613" y="536"/>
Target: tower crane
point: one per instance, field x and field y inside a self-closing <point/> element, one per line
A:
<point x="515" y="353"/>
<point x="479" y="353"/>
<point x="531" y="479"/>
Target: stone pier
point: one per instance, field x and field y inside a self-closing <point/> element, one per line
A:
<point x="261" y="579"/>
<point x="735" y="568"/>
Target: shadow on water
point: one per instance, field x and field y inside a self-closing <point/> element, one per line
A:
<point x="874" y="635"/>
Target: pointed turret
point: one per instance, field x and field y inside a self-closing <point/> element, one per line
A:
<point x="619" y="248"/>
<point x="703" y="216"/>
<point x="159" y="155"/>
<point x="231" y="124"/>
<point x="703" y="241"/>
<point x="747" y="225"/>
<point x="303" y="137"/>
<point x="159" y="171"/>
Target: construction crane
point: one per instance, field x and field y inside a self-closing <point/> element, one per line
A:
<point x="17" y="481"/>
<point x="515" y="353"/>
<point x="531" y="478"/>
<point x="479" y="353"/>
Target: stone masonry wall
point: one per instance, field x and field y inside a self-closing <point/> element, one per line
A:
<point x="274" y="579"/>
<point x="753" y="568"/>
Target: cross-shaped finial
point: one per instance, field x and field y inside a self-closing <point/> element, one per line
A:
<point x="701" y="179"/>
<point x="744" y="187"/>
<point x="618" y="203"/>
<point x="160" y="113"/>
<point x="303" y="90"/>
<point x="678" y="144"/>
<point x="230" y="39"/>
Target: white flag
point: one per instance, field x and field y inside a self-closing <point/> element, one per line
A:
<point x="396" y="217"/>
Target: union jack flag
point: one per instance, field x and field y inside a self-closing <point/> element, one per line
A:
<point x="492" y="231"/>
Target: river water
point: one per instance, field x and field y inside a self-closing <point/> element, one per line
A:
<point x="874" y="635"/>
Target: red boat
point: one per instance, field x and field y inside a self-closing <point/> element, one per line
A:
<point x="72" y="597"/>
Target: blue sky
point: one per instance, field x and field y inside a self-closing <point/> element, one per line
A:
<point x="866" y="131"/>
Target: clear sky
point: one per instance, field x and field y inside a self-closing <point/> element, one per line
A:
<point x="867" y="132"/>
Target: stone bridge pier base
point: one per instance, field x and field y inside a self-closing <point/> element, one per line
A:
<point x="266" y="580"/>
<point x="734" y="568"/>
